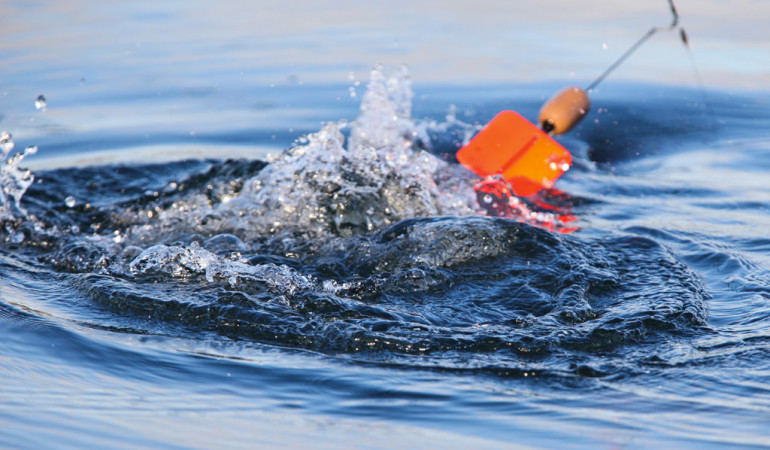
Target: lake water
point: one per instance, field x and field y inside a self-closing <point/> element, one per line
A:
<point x="235" y="233"/>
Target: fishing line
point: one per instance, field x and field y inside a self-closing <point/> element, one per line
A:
<point x="706" y="103"/>
<point x="569" y="106"/>
<point x="638" y="44"/>
<point x="683" y="36"/>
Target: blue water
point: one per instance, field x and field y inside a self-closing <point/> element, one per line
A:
<point x="168" y="283"/>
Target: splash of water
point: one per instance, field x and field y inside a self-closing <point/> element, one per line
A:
<point x="14" y="180"/>
<point x="325" y="187"/>
<point x="194" y="260"/>
<point x="320" y="188"/>
<point x="336" y="246"/>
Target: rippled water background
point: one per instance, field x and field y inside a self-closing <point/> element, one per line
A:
<point x="168" y="288"/>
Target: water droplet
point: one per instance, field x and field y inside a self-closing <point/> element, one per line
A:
<point x="352" y="92"/>
<point x="553" y="166"/>
<point x="604" y="46"/>
<point x="30" y="150"/>
<point x="6" y="142"/>
<point x="70" y="201"/>
<point x="17" y="237"/>
<point x="565" y="167"/>
<point x="41" y="103"/>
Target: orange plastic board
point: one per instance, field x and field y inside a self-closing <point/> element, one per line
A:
<point x="523" y="154"/>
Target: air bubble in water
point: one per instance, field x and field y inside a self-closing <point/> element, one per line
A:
<point x="70" y="201"/>
<point x="41" y="103"/>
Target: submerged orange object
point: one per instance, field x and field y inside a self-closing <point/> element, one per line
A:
<point x="523" y="154"/>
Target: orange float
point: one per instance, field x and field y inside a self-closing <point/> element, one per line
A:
<point x="517" y="150"/>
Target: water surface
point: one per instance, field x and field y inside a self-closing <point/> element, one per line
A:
<point x="165" y="282"/>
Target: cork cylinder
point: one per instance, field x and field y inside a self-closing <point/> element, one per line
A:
<point x="564" y="110"/>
